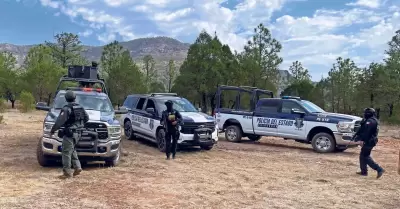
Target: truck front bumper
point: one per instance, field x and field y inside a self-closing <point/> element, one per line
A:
<point x="190" y="139"/>
<point x="108" y="149"/>
<point x="344" y="139"/>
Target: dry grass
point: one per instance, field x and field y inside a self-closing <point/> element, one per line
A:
<point x="270" y="174"/>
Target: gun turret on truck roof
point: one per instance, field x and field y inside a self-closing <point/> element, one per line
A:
<point x="85" y="76"/>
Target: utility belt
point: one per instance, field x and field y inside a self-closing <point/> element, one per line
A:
<point x="373" y="141"/>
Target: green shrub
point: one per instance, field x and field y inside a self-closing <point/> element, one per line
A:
<point x="3" y="105"/>
<point x="27" y="101"/>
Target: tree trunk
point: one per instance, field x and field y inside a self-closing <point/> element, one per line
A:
<point x="390" y="109"/>
<point x="204" y="103"/>
<point x="212" y="103"/>
<point x="49" y="99"/>
<point x="372" y="100"/>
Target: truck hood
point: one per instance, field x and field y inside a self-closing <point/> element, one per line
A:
<point x="338" y="116"/>
<point x="94" y="115"/>
<point x="196" y="117"/>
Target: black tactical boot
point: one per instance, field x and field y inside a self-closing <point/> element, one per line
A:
<point x="77" y="171"/>
<point x="380" y="173"/>
<point x="361" y="174"/>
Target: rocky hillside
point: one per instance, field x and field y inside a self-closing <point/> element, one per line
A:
<point x="161" y="48"/>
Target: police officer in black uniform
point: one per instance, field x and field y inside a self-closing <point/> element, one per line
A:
<point x="171" y="119"/>
<point x="73" y="118"/>
<point x="367" y="137"/>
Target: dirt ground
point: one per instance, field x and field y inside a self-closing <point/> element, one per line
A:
<point x="270" y="174"/>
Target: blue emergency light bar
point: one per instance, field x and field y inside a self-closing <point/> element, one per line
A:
<point x="291" y="97"/>
<point x="164" y="94"/>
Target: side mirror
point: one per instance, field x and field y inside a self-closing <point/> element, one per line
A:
<point x="199" y="109"/>
<point x="121" y="110"/>
<point x="296" y="111"/>
<point x="42" y="106"/>
<point x="151" y="111"/>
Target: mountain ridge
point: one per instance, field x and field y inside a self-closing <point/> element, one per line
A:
<point x="161" y="48"/>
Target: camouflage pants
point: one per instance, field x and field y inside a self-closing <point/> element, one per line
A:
<point x="69" y="154"/>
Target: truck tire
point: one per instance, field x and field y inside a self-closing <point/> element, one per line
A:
<point x="254" y="138"/>
<point x="233" y="133"/>
<point x="128" y="131"/>
<point x="323" y="143"/>
<point x="208" y="147"/>
<point x="114" y="161"/>
<point x="41" y="157"/>
<point x="161" y="140"/>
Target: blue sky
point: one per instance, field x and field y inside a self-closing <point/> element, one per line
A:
<point x="314" y="32"/>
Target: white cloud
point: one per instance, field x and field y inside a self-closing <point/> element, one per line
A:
<point x="107" y="37"/>
<point x="50" y="3"/>
<point x="86" y="33"/>
<point x="360" y="32"/>
<point x="168" y="17"/>
<point x="366" y="3"/>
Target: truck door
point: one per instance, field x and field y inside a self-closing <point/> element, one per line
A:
<point x="139" y="121"/>
<point x="292" y="125"/>
<point x="265" y="119"/>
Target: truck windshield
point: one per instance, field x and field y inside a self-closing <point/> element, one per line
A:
<point x="311" y="107"/>
<point x="89" y="102"/>
<point x="181" y="105"/>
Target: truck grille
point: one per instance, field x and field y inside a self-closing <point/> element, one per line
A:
<point x="357" y="125"/>
<point x="89" y="144"/>
<point x="188" y="128"/>
<point x="100" y="128"/>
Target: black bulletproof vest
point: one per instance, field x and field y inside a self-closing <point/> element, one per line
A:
<point x="376" y="132"/>
<point x="76" y="117"/>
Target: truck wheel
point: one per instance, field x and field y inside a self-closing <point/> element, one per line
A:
<point x="114" y="161"/>
<point x="323" y="143"/>
<point x="41" y="158"/>
<point x="208" y="147"/>
<point x="254" y="137"/>
<point x="233" y="133"/>
<point x="128" y="131"/>
<point x="161" y="140"/>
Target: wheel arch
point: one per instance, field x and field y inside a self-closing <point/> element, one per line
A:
<point x="319" y="129"/>
<point x="158" y="129"/>
<point x="232" y="121"/>
<point x="126" y="119"/>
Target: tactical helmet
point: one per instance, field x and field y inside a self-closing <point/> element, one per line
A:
<point x="70" y="96"/>
<point x="369" y="112"/>
<point x="168" y="102"/>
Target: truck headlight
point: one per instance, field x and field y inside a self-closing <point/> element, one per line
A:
<point x="345" y="127"/>
<point x="47" y="127"/>
<point x="114" y="130"/>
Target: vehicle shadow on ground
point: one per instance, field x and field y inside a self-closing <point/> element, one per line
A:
<point x="288" y="147"/>
<point x="180" y="149"/>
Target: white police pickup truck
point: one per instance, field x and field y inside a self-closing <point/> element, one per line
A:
<point x="106" y="147"/>
<point x="286" y="117"/>
<point x="143" y="121"/>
